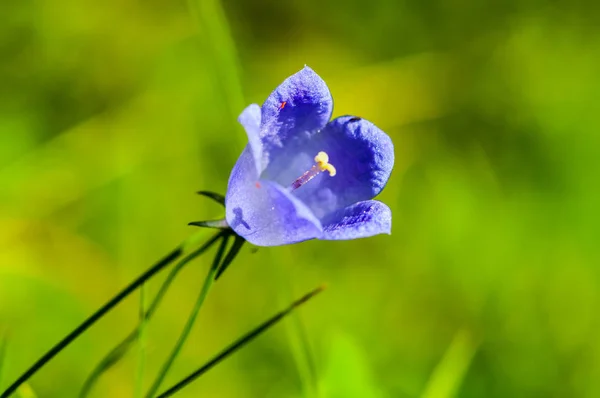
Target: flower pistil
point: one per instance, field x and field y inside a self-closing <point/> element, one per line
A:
<point x="322" y="164"/>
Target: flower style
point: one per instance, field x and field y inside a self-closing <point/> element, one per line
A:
<point x="302" y="176"/>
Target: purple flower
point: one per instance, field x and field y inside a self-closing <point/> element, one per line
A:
<point x="302" y="176"/>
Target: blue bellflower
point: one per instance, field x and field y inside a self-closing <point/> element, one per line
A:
<point x="302" y="176"/>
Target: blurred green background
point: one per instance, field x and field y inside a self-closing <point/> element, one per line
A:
<point x="112" y="114"/>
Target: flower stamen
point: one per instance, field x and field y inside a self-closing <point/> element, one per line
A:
<point x="322" y="164"/>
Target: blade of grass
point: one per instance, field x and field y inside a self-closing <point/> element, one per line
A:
<point x="123" y="347"/>
<point x="61" y="345"/>
<point x="303" y="356"/>
<point x="235" y="249"/>
<point x="298" y="339"/>
<point x="241" y="343"/>
<point x="449" y="373"/>
<point x="141" y="359"/>
<point x="78" y="331"/>
<point x="212" y="22"/>
<point x="3" y="344"/>
<point x="191" y="319"/>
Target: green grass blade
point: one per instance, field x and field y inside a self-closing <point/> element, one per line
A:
<point x="141" y="359"/>
<point x="241" y="343"/>
<point x="213" y="25"/>
<point x="191" y="319"/>
<point x="3" y="344"/>
<point x="124" y="346"/>
<point x="449" y="373"/>
<point x="298" y="340"/>
<point x="233" y="252"/>
<point x="78" y="331"/>
<point x="303" y="356"/>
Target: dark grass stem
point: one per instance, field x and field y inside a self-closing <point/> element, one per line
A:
<point x="78" y="331"/>
<point x="241" y="343"/>
<point x="123" y="347"/>
<point x="233" y="252"/>
<point x="141" y="359"/>
<point x="3" y="344"/>
<point x="192" y="317"/>
<point x="61" y="345"/>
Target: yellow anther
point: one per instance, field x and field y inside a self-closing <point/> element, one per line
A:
<point x="329" y="167"/>
<point x="322" y="164"/>
<point x="322" y="160"/>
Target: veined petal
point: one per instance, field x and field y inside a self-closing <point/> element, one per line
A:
<point x="361" y="153"/>
<point x="301" y="104"/>
<point x="250" y="119"/>
<point x="360" y="220"/>
<point x="263" y="212"/>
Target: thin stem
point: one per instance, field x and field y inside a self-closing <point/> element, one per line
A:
<point x="240" y="343"/>
<point x="306" y="356"/>
<point x="123" y="347"/>
<point x="235" y="249"/>
<point x="212" y="24"/>
<point x="141" y="360"/>
<point x="298" y="338"/>
<point x="191" y="319"/>
<point x="61" y="345"/>
<point x="3" y="344"/>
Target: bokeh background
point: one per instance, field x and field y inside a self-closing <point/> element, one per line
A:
<point x="113" y="113"/>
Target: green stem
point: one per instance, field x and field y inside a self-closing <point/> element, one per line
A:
<point x="78" y="331"/>
<point x="212" y="23"/>
<point x="240" y="343"/>
<point x="235" y="249"/>
<point x="141" y="360"/>
<point x="123" y="347"/>
<point x="3" y="344"/>
<point x="191" y="319"/>
<point x="299" y="341"/>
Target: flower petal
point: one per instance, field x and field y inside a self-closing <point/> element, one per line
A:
<point x="361" y="153"/>
<point x="301" y="104"/>
<point x="250" y="119"/>
<point x="360" y="220"/>
<point x="263" y="212"/>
